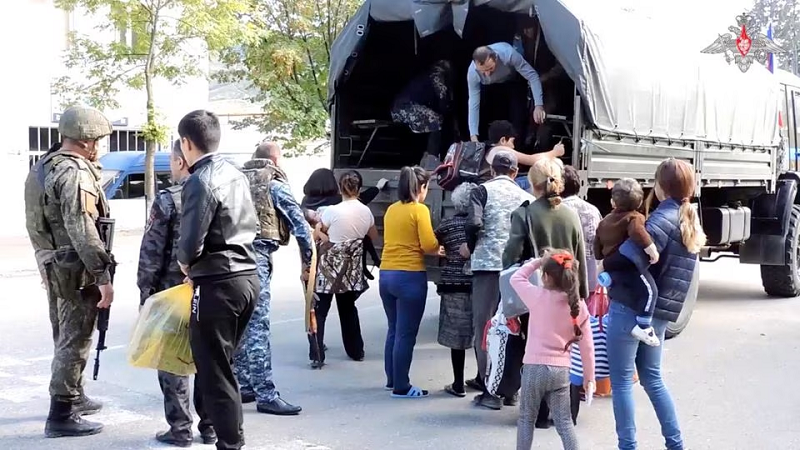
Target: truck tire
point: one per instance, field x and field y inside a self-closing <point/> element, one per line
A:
<point x="784" y="281"/>
<point x="677" y="327"/>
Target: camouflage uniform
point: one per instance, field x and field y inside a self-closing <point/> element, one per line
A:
<point x="63" y="202"/>
<point x="159" y="270"/>
<point x="503" y="196"/>
<point x="276" y="208"/>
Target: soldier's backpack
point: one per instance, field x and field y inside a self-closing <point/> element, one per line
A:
<point x="271" y="224"/>
<point x="463" y="163"/>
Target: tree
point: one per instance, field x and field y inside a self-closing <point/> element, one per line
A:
<point x="288" y="65"/>
<point x="162" y="36"/>
<point x="784" y="15"/>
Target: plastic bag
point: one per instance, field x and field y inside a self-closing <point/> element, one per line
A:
<point x="512" y="305"/>
<point x="161" y="336"/>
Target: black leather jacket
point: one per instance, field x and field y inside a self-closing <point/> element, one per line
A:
<point x="219" y="221"/>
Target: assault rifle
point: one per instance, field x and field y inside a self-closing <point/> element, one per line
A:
<point x="105" y="228"/>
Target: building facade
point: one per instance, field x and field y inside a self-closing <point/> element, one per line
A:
<point x="35" y="38"/>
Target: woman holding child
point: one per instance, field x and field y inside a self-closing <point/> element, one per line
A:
<point x="678" y="237"/>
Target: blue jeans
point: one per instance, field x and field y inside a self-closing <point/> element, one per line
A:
<point x="404" y="295"/>
<point x="624" y="353"/>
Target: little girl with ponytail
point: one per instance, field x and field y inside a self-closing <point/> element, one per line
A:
<point x="558" y="318"/>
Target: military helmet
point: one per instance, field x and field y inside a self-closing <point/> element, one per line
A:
<point x="83" y="123"/>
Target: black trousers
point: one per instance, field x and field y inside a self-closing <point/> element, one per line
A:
<point x="575" y="401"/>
<point x="220" y="312"/>
<point x="351" y="325"/>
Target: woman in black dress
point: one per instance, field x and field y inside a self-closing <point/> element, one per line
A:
<point x="425" y="105"/>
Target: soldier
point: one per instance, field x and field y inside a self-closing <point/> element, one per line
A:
<point x="63" y="203"/>
<point x="279" y="214"/>
<point x="159" y="270"/>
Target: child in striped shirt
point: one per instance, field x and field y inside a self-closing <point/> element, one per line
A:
<point x="601" y="371"/>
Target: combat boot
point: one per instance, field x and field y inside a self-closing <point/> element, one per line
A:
<point x="85" y="406"/>
<point x="63" y="421"/>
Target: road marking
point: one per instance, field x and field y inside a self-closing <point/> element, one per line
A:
<point x="111" y="416"/>
<point x="12" y="362"/>
<point x="37" y="379"/>
<point x="49" y="357"/>
<point x="24" y="394"/>
<point x="310" y="446"/>
<point x="368" y="308"/>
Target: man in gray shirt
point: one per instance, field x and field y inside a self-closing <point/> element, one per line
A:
<point x="500" y="63"/>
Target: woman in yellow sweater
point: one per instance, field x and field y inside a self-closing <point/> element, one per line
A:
<point x="407" y="237"/>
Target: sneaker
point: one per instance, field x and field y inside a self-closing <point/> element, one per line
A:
<point x="489" y="401"/>
<point x="209" y="436"/>
<point x="474" y="384"/>
<point x="169" y="438"/>
<point x="646" y="335"/>
<point x="511" y="401"/>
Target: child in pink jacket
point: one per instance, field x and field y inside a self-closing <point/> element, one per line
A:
<point x="558" y="318"/>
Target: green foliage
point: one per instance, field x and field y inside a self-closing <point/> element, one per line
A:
<point x="288" y="65"/>
<point x="784" y="15"/>
<point x="155" y="131"/>
<point x="154" y="40"/>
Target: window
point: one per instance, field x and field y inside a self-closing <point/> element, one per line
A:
<point x="128" y="36"/>
<point x="163" y="181"/>
<point x="133" y="186"/>
<point x="39" y="141"/>
<point x="108" y="177"/>
<point x="126" y="141"/>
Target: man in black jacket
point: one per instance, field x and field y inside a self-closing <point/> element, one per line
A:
<point x="159" y="270"/>
<point x="215" y="250"/>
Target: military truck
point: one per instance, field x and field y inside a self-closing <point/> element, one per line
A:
<point x="638" y="99"/>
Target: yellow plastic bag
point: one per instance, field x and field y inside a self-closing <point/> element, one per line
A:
<point x="161" y="336"/>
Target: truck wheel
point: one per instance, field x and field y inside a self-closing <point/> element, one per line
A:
<point x="677" y="327"/>
<point x="784" y="281"/>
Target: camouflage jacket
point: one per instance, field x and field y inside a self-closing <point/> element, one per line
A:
<point x="489" y="221"/>
<point x="63" y="201"/>
<point x="158" y="254"/>
<point x="260" y="173"/>
<point x="287" y="207"/>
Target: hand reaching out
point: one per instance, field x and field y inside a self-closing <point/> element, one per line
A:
<point x="539" y="115"/>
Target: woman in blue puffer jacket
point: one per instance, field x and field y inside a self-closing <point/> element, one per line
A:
<point x="676" y="232"/>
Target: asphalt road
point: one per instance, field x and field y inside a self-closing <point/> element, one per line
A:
<point x="731" y="373"/>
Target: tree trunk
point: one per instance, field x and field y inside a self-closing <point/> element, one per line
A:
<point x="150" y="148"/>
<point x="150" y="144"/>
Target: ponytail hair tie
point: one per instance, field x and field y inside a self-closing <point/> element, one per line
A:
<point x="575" y="321"/>
<point x="685" y="200"/>
<point x="564" y="260"/>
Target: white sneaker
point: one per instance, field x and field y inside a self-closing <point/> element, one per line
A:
<point x="646" y="335"/>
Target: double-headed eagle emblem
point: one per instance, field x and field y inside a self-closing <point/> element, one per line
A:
<point x="743" y="45"/>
